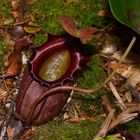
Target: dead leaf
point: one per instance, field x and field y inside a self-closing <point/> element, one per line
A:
<point x="22" y="43"/>
<point x="14" y="64"/>
<point x="93" y="107"/>
<point x="3" y="93"/>
<point x="128" y="96"/>
<point x="29" y="133"/>
<point x="14" y="129"/>
<point x="124" y="69"/>
<point x="16" y="32"/>
<point x="134" y="78"/>
<point x="9" y="82"/>
<point x="131" y="58"/>
<point x="80" y="115"/>
<point x="32" y="29"/>
<point x="32" y="17"/>
<point x="110" y="44"/>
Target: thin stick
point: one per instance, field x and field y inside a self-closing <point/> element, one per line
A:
<point x="117" y="96"/>
<point x="88" y="91"/>
<point x="107" y="105"/>
<point x="104" y="129"/>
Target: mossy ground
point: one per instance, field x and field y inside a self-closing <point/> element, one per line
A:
<point x="5" y="9"/>
<point x="3" y="51"/>
<point x="5" y="13"/>
<point x="47" y="14"/>
<point x="56" y="130"/>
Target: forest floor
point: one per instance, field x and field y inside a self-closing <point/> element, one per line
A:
<point x="109" y="113"/>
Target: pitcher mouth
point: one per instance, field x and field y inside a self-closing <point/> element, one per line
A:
<point x="64" y="48"/>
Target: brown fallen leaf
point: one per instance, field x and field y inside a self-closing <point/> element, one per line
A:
<point x="93" y="107"/>
<point x="14" y="129"/>
<point x="22" y="43"/>
<point x="80" y="115"/>
<point x="27" y="135"/>
<point x="14" y="64"/>
<point x="3" y="93"/>
<point x="9" y="82"/>
<point x="16" y="32"/>
<point x="14" y="60"/>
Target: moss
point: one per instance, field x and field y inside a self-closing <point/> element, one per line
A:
<point x="91" y="78"/>
<point x="86" y="103"/>
<point x="39" y="39"/>
<point x="5" y="8"/>
<point x="48" y="13"/>
<point x="3" y="50"/>
<point x="5" y="14"/>
<point x="93" y="75"/>
<point x="131" y="126"/>
<point x="56" y="130"/>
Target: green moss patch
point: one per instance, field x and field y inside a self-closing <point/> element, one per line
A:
<point x="48" y="13"/>
<point x="56" y="130"/>
<point x="3" y="51"/>
<point x="93" y="75"/>
<point x="5" y="8"/>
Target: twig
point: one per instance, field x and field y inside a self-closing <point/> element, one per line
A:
<point x="104" y="129"/>
<point x="106" y="105"/>
<point x="106" y="27"/>
<point x="117" y="96"/>
<point x="126" y="115"/>
<point x="15" y="24"/>
<point x="110" y="111"/>
<point x="122" y="118"/>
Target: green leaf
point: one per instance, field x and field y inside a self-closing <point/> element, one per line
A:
<point x="32" y="29"/>
<point x="127" y="12"/>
